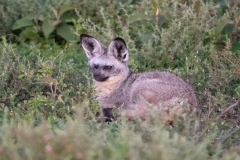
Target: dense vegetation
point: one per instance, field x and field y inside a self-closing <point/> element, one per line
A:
<point x="47" y="106"/>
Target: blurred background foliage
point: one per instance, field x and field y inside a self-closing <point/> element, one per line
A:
<point x="46" y="89"/>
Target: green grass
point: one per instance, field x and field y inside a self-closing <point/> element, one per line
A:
<point x="47" y="104"/>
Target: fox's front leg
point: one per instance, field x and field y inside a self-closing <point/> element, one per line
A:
<point x="130" y="113"/>
<point x="108" y="114"/>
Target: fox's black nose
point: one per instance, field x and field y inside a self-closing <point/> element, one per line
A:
<point x="99" y="77"/>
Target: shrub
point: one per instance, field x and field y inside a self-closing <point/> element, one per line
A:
<point x="11" y="11"/>
<point x="81" y="138"/>
<point x="45" y="82"/>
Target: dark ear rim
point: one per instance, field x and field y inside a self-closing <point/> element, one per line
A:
<point x="82" y="36"/>
<point x="118" y="49"/>
<point x="90" y="44"/>
<point x="120" y="39"/>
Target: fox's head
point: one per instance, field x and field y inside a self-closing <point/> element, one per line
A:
<point x="105" y="62"/>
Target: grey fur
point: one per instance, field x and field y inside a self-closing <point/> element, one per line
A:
<point x="118" y="87"/>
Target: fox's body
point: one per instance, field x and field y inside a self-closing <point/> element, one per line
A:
<point x="118" y="87"/>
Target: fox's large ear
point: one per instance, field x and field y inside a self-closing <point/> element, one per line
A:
<point x="118" y="49"/>
<point x="91" y="46"/>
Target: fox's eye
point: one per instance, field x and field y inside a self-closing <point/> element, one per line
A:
<point x="108" y="67"/>
<point x="96" y="66"/>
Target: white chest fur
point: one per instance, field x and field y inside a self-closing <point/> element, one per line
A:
<point x="104" y="89"/>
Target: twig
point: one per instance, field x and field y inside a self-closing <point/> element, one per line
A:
<point x="227" y="109"/>
<point x="61" y="53"/>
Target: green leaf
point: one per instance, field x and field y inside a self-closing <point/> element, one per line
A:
<point x="145" y="37"/>
<point x="236" y="47"/>
<point x="21" y="76"/>
<point x="40" y="17"/>
<point x="69" y="17"/>
<point x="30" y="16"/>
<point x="139" y="17"/>
<point x="24" y="22"/>
<point x="54" y="12"/>
<point x="34" y="16"/>
<point x="161" y="20"/>
<point x="65" y="8"/>
<point x="40" y="71"/>
<point x="49" y="71"/>
<point x="30" y="33"/>
<point x="221" y="24"/>
<point x="66" y="32"/>
<point x="228" y="29"/>
<point x="47" y="28"/>
<point x="4" y="41"/>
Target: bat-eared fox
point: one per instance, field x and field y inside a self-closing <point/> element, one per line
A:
<point x="133" y="94"/>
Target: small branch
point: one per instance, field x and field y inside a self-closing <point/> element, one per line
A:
<point x="227" y="109"/>
<point x="39" y="83"/>
<point x="61" y="53"/>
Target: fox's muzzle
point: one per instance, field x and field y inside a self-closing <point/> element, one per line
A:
<point x="100" y="78"/>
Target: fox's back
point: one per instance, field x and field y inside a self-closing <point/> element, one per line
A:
<point x="157" y="87"/>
